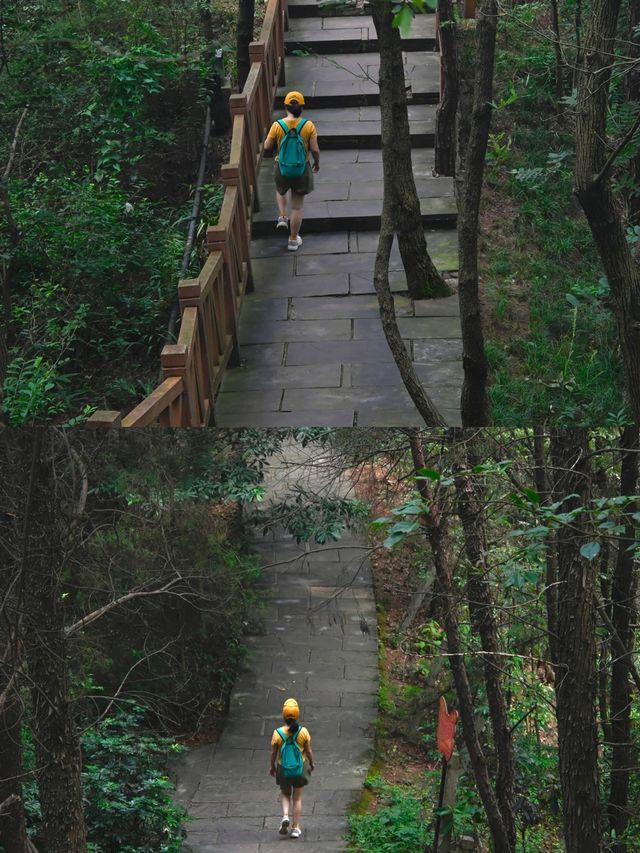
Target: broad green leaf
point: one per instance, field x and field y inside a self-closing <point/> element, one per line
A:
<point x="590" y="550"/>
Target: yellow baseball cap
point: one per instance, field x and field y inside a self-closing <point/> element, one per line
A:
<point x="294" y="96"/>
<point x="290" y="709"/>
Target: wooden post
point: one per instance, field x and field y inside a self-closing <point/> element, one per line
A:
<point x="469" y="8"/>
<point x="104" y="420"/>
<point x="454" y="771"/>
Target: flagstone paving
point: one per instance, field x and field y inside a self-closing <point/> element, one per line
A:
<point x="311" y="343"/>
<point x="311" y="648"/>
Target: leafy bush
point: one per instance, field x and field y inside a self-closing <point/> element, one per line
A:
<point x="398" y="825"/>
<point x="128" y="806"/>
<point x="128" y="794"/>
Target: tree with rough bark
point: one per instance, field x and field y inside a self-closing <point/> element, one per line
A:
<point x="438" y="535"/>
<point x="596" y="158"/>
<point x="445" y="142"/>
<point x="246" y="15"/>
<point x="576" y="680"/>
<point x="623" y="613"/>
<point x="400" y="197"/>
<point x="470" y="508"/>
<point x="474" y="130"/>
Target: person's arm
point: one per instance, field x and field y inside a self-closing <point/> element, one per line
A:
<point x="309" y="754"/>
<point x="270" y="142"/>
<point x="315" y="152"/>
<point x="274" y="757"/>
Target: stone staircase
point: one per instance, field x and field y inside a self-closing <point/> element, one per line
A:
<point x="312" y="346"/>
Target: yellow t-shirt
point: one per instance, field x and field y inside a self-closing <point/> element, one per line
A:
<point x="303" y="738"/>
<point x="308" y="132"/>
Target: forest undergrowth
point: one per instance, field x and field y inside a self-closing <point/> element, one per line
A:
<point x="551" y="336"/>
<point x="397" y="809"/>
<point x="113" y="98"/>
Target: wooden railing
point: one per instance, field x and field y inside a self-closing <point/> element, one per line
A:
<point x="192" y="368"/>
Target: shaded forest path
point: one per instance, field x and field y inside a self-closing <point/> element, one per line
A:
<point x="312" y="648"/>
<point x="312" y="345"/>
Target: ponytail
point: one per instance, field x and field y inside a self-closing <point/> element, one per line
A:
<point x="296" y="111"/>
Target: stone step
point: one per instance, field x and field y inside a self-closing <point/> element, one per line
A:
<point x="317" y="9"/>
<point x="364" y="215"/>
<point x="352" y="34"/>
<point x="359" y="127"/>
<point x="348" y="194"/>
<point x="351" y="79"/>
<point x="269" y="254"/>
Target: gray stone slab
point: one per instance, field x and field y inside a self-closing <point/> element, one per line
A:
<point x="333" y="242"/>
<point x="256" y="332"/>
<point x="329" y="398"/>
<point x="346" y="351"/>
<point x="261" y="355"/>
<point x="412" y="328"/>
<point x="265" y="309"/>
<point x="436" y="351"/>
<point x="307" y="376"/>
<point x="268" y="268"/>
<point x="446" y="307"/>
<point x="257" y="401"/>
<point x="447" y="372"/>
<point x="303" y="285"/>
<point x="279" y="420"/>
<point x="347" y="306"/>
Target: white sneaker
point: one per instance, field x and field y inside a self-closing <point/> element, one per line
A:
<point x="296" y="832"/>
<point x="292" y="246"/>
<point x="282" y="222"/>
<point x="284" y="826"/>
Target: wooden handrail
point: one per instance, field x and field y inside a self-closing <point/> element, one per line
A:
<point x="210" y="304"/>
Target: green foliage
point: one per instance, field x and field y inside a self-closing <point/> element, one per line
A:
<point x="102" y="266"/>
<point x="398" y="825"/>
<point x="127" y="793"/>
<point x="310" y="516"/>
<point x="562" y="361"/>
<point x="100" y="193"/>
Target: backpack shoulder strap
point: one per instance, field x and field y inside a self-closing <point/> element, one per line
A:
<point x="283" y="125"/>
<point x="301" y="124"/>
<point x="282" y="734"/>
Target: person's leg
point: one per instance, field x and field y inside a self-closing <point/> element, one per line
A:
<point x="281" y="201"/>
<point x="297" y="201"/>
<point x="297" y="807"/>
<point x="285" y="799"/>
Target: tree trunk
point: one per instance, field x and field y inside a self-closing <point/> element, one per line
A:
<point x="400" y="194"/>
<point x="632" y="87"/>
<point x="593" y="187"/>
<point x="555" y="25"/>
<point x="422" y="402"/>
<point x="448" y="107"/>
<point x="576" y="683"/>
<point x="481" y="610"/>
<point x="622" y="612"/>
<point x="551" y="574"/>
<point x="438" y="539"/>
<point x="438" y="536"/>
<point x="246" y="13"/>
<point x="474" y="404"/>
<point x="57" y="744"/>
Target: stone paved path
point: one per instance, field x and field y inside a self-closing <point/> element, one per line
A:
<point x="312" y="649"/>
<point x="312" y="347"/>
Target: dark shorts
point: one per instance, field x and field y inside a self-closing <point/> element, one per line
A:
<point x="286" y="785"/>
<point x="301" y="186"/>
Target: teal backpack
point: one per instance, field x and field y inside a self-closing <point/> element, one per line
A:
<point x="291" y="761"/>
<point x="292" y="155"/>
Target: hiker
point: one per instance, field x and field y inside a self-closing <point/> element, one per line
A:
<point x="291" y="764"/>
<point x="294" y="138"/>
